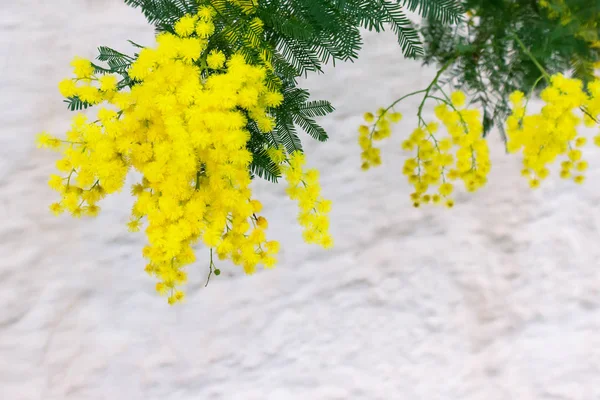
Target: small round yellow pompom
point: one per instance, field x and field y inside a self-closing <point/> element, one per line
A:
<point x="91" y="210"/>
<point x="204" y="29"/>
<point x="108" y="83"/>
<point x="446" y="189"/>
<point x="273" y="99"/>
<point x="262" y="222"/>
<point x="581" y="166"/>
<point x="272" y="246"/>
<point x="215" y="59"/>
<point x="185" y="26"/>
<point x="432" y="127"/>
<point x="575" y="155"/>
<point x="369" y="117"/>
<point x="516" y="98"/>
<point x="44" y="139"/>
<point x="458" y="99"/>
<point x="580" y="141"/>
<point x="56" y="208"/>
<point x="256" y="206"/>
<point x="134" y="225"/>
<point x="327" y="242"/>
<point x="205" y="13"/>
<point x="543" y="173"/>
<point x="82" y="68"/>
<point x="408" y="145"/>
<point x="395" y="117"/>
<point x="55" y="182"/>
<point x="67" y="88"/>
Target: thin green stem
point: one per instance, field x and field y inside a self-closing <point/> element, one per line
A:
<point x="66" y="141"/>
<point x="586" y="112"/>
<point x="404" y="97"/>
<point x="440" y="99"/>
<point x="432" y="84"/>
<point x="426" y="91"/>
<point x="531" y="56"/>
<point x="464" y="124"/>
<point x="210" y="266"/>
<point x="449" y="103"/>
<point x="532" y="90"/>
<point x="69" y="177"/>
<point x="387" y="109"/>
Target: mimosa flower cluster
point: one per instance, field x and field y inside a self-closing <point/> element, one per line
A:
<point x="552" y="133"/>
<point x="381" y="129"/>
<point x="541" y="137"/>
<point x="303" y="186"/>
<point x="438" y="161"/>
<point x="183" y="127"/>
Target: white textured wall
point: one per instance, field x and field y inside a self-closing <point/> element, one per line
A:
<point x="496" y="299"/>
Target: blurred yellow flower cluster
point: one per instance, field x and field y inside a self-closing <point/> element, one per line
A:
<point x="545" y="136"/>
<point x="438" y="161"/>
<point x="304" y="187"/>
<point x="183" y="127"/>
<point x="462" y="155"/>
<point x="381" y="129"/>
<point x="86" y="86"/>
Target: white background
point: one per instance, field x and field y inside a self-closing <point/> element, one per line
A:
<point x="496" y="299"/>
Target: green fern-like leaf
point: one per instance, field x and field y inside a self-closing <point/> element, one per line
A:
<point x="285" y="134"/>
<point x="408" y="38"/>
<point x="76" y="104"/>
<point x="311" y="127"/>
<point x="263" y="167"/>
<point x="316" y="108"/>
<point x="444" y="11"/>
<point x="117" y="61"/>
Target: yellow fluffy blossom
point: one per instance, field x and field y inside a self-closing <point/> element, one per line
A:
<point x="67" y="88"/>
<point x="552" y="133"/>
<point x="381" y="129"/>
<point x="187" y="135"/>
<point x="204" y="29"/>
<point x="458" y="99"/>
<point x="82" y="68"/>
<point x="108" y="83"/>
<point x="438" y="160"/>
<point x="186" y="26"/>
<point x="303" y="186"/>
<point x="215" y="59"/>
<point x="44" y="139"/>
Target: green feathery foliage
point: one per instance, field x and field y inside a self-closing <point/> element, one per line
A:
<point x="489" y="52"/>
<point x="309" y="30"/>
<point x="296" y="37"/>
<point x="444" y="11"/>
